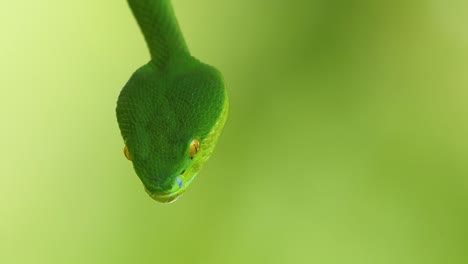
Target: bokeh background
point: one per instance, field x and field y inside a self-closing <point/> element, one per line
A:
<point x="346" y="141"/>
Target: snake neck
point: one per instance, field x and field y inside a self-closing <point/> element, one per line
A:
<point x="158" y="23"/>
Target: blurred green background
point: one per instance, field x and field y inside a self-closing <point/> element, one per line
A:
<point x="346" y="141"/>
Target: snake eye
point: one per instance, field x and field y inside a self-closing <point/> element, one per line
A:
<point x="127" y="153"/>
<point x="194" y="148"/>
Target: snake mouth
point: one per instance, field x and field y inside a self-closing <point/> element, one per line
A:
<point x="170" y="197"/>
<point x="165" y="197"/>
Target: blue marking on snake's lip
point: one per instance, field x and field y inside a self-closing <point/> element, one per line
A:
<point x="179" y="182"/>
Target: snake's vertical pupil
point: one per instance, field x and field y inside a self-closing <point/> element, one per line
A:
<point x="127" y="153"/>
<point x="194" y="148"/>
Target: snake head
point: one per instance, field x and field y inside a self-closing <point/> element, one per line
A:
<point x="170" y="120"/>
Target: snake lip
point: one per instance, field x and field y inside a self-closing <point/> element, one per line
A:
<point x="165" y="197"/>
<point x="168" y="197"/>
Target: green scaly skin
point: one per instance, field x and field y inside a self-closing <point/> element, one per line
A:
<point x="167" y="103"/>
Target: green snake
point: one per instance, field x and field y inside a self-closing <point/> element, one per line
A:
<point x="172" y="110"/>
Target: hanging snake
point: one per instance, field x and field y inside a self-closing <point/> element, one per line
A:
<point x="172" y="110"/>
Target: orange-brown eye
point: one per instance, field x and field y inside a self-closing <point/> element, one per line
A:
<point x="127" y="153"/>
<point x="194" y="148"/>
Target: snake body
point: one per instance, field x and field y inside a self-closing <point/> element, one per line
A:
<point x="172" y="110"/>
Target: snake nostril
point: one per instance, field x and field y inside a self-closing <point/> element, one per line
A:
<point x="182" y="172"/>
